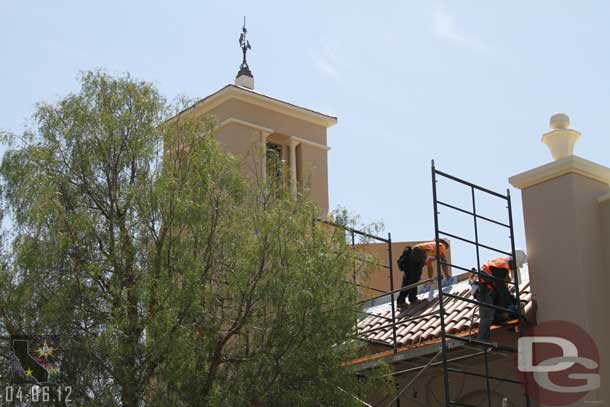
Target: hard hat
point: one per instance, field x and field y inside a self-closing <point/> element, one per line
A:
<point x="444" y="240"/>
<point x="520" y="258"/>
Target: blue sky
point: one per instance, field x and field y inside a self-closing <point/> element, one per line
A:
<point x="469" y="84"/>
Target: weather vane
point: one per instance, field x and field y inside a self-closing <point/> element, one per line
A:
<point x="244" y="69"/>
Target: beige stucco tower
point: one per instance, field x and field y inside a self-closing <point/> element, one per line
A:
<point x="254" y="127"/>
<point x="566" y="209"/>
<point x="251" y="125"/>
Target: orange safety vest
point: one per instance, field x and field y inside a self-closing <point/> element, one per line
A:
<point x="501" y="263"/>
<point x="430" y="249"/>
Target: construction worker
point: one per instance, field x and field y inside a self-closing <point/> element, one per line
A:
<point x="427" y="251"/>
<point x="412" y="262"/>
<point x="495" y="291"/>
<point x="411" y="267"/>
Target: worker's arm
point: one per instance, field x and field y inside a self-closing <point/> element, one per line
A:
<point x="445" y="266"/>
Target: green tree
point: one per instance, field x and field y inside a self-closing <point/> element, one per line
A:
<point x="171" y="278"/>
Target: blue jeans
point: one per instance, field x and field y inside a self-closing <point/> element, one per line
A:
<point x="486" y="314"/>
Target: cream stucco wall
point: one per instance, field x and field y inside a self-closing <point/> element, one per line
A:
<point x="240" y="124"/>
<point x="428" y="389"/>
<point x="567" y="241"/>
<point x="314" y="172"/>
<point x="604" y="210"/>
<point x="242" y="142"/>
<point x="279" y="122"/>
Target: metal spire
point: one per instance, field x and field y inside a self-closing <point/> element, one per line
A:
<point x="244" y="69"/>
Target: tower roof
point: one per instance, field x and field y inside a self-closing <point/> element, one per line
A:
<point x="248" y="95"/>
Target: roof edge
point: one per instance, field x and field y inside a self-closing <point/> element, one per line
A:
<point x="563" y="166"/>
<point x="416" y="350"/>
<point x="231" y="91"/>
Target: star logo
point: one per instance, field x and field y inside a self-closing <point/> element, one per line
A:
<point x="36" y="358"/>
<point x="45" y="351"/>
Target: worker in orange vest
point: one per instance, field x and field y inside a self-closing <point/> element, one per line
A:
<point x="495" y="291"/>
<point x="430" y="249"/>
<point x="423" y="254"/>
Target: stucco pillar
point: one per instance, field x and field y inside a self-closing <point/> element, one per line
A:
<point x="566" y="245"/>
<point x="604" y="206"/>
<point x="263" y="141"/>
<point x="293" y="168"/>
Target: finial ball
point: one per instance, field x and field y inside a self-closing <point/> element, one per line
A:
<point x="559" y="121"/>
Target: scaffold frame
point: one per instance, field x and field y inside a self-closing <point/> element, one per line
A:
<point x="478" y="347"/>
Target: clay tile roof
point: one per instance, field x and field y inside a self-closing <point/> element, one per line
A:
<point x="461" y="317"/>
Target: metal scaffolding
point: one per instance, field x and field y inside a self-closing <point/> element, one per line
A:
<point x="448" y="341"/>
<point x="351" y="234"/>
<point x="438" y="232"/>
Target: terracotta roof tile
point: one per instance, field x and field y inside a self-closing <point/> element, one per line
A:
<point x="460" y="317"/>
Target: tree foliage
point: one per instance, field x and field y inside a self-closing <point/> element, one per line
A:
<point x="172" y="279"/>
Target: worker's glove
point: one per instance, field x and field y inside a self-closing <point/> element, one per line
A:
<point x="446" y="284"/>
<point x="474" y="287"/>
<point x="431" y="293"/>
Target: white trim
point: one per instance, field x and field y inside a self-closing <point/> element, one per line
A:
<point x="232" y="120"/>
<point x="267" y="130"/>
<point x="570" y="164"/>
<point x="263" y="152"/>
<point x="293" y="168"/>
<point x="311" y="143"/>
<point x="604" y="198"/>
<point x="248" y="95"/>
<point x="259" y="99"/>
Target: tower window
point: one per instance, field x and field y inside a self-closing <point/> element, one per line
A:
<point x="276" y="172"/>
